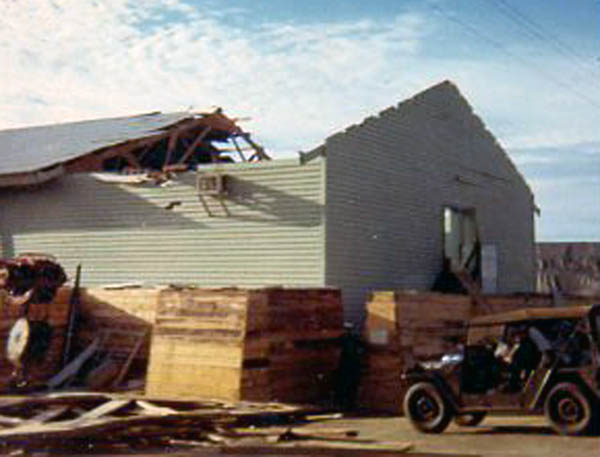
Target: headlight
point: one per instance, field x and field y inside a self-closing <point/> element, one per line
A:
<point x="432" y="365"/>
<point x="452" y="359"/>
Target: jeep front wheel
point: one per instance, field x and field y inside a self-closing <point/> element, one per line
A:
<point x="568" y="409"/>
<point x="426" y="408"/>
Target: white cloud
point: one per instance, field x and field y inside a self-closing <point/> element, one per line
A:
<point x="71" y="59"/>
<point x="111" y="57"/>
<point x="67" y="60"/>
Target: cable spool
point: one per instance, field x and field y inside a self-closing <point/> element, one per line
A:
<point x="18" y="341"/>
<point x="28" y="341"/>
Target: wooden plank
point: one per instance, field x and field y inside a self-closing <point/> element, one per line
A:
<point x="304" y="432"/>
<point x="104" y="409"/>
<point x="96" y="422"/>
<point x="74" y="366"/>
<point x="8" y="420"/>
<point x="125" y="368"/>
<point x="190" y="150"/>
<point x="149" y="408"/>
<point x="45" y="416"/>
<point x="54" y="398"/>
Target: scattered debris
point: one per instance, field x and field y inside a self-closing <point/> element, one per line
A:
<point x="569" y="268"/>
<point x="76" y="421"/>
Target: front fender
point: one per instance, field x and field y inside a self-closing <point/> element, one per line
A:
<point x="436" y="379"/>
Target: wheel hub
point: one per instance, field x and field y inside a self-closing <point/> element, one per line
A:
<point x="569" y="410"/>
<point x="426" y="407"/>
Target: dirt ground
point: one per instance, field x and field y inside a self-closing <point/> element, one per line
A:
<point x="498" y="436"/>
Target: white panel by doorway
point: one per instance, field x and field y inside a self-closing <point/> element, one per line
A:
<point x="489" y="268"/>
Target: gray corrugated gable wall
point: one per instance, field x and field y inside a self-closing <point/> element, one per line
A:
<point x="273" y="235"/>
<point x="388" y="180"/>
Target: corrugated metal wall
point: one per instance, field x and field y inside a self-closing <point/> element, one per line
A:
<point x="268" y="231"/>
<point x="388" y="181"/>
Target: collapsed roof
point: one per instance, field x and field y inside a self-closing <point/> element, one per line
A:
<point x="148" y="142"/>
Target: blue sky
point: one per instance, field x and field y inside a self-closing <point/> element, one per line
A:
<point x="300" y="70"/>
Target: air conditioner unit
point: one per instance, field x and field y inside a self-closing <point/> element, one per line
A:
<point x="212" y="184"/>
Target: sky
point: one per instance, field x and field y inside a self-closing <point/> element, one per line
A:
<point x="298" y="71"/>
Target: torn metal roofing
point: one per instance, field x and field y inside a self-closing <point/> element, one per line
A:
<point x="31" y="149"/>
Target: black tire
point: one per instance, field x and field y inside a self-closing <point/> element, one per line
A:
<point x="568" y="409"/>
<point x="426" y="408"/>
<point x="470" y="419"/>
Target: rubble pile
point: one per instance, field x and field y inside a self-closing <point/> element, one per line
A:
<point x="32" y="322"/>
<point x="569" y="268"/>
<point x="41" y="275"/>
<point x="93" y="422"/>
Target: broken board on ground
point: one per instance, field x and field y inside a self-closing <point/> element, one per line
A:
<point x="85" y="421"/>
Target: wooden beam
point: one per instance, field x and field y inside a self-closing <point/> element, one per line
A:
<point x="239" y="150"/>
<point x="131" y="159"/>
<point x="109" y="407"/>
<point x="259" y="150"/>
<point x="138" y="344"/>
<point x="94" y="160"/>
<point x="171" y="146"/>
<point x="73" y="367"/>
<point x="46" y="415"/>
<point x="148" y="408"/>
<point x="190" y="150"/>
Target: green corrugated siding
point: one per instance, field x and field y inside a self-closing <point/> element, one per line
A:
<point x="388" y="180"/>
<point x="268" y="231"/>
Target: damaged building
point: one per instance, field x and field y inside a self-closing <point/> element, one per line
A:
<point x="176" y="198"/>
<point x="569" y="268"/>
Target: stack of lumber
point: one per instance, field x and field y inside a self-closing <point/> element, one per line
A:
<point x="302" y="331"/>
<point x="245" y="344"/>
<point x="404" y="326"/>
<point x="198" y="343"/>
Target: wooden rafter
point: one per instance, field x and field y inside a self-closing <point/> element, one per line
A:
<point x="144" y="151"/>
<point x="239" y="150"/>
<point x="127" y="154"/>
<point x="190" y="150"/>
<point x="132" y="159"/>
<point x="171" y="146"/>
<point x="135" y="151"/>
<point x="259" y="151"/>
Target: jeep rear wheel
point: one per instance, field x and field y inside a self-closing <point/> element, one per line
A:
<point x="470" y="419"/>
<point x="568" y="409"/>
<point x="426" y="408"/>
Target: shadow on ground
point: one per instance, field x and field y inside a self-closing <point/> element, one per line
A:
<point x="508" y="430"/>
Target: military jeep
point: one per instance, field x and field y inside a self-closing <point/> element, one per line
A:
<point x="528" y="361"/>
